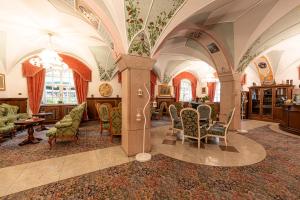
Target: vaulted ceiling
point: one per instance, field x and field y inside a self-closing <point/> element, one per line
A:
<point x="97" y="31"/>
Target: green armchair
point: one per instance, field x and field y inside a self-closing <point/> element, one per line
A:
<point x="6" y="128"/>
<point x="68" y="126"/>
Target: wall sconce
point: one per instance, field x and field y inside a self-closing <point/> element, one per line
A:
<point x="138" y="116"/>
<point x="140" y="92"/>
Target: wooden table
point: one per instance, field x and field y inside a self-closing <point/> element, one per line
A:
<point x="29" y="123"/>
<point x="42" y="115"/>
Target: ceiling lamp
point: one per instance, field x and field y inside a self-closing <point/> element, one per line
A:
<point x="48" y="58"/>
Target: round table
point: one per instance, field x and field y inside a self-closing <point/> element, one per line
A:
<point x="29" y="123"/>
<point x="42" y="115"/>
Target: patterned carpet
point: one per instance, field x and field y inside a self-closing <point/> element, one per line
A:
<point x="276" y="177"/>
<point x="89" y="139"/>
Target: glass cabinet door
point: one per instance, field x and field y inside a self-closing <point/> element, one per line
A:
<point x="267" y="101"/>
<point x="255" y="100"/>
<point x="281" y="95"/>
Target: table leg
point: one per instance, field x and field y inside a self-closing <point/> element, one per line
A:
<point x="31" y="139"/>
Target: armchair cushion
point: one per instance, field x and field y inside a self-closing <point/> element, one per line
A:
<point x="177" y="125"/>
<point x="7" y="128"/>
<point x="51" y="132"/>
<point x="11" y="110"/>
<point x="3" y="111"/>
<point x="63" y="124"/>
<point x="23" y="116"/>
<point x="217" y="130"/>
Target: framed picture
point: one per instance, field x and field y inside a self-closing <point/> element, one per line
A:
<point x="2" y="82"/>
<point x="204" y="90"/>
<point x="164" y="90"/>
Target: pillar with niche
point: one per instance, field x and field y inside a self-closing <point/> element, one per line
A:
<point x="135" y="72"/>
<point x="230" y="98"/>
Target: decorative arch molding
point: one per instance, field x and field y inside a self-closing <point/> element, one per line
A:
<point x="286" y="27"/>
<point x="209" y="41"/>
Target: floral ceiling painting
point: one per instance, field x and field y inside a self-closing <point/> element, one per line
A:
<point x="146" y="20"/>
<point x="105" y="62"/>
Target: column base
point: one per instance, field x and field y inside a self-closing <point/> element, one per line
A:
<point x="143" y="157"/>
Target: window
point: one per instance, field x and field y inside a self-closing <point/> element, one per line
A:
<point x="185" y="90"/>
<point x="218" y="92"/>
<point x="59" y="87"/>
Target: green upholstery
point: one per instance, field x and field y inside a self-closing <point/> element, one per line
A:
<point x="69" y="125"/>
<point x="205" y="112"/>
<point x="190" y="122"/>
<point x="116" y="121"/>
<point x="219" y="129"/>
<point x="176" y="121"/>
<point x="103" y="111"/>
<point x="191" y="125"/>
<point x="8" y="115"/>
<point x="178" y="106"/>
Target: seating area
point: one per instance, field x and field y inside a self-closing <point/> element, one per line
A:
<point x="149" y="99"/>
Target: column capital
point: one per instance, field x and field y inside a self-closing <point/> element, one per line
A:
<point x="134" y="62"/>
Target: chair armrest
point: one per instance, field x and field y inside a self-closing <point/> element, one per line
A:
<point x="63" y="124"/>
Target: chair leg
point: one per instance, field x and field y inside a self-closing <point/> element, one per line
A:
<point x="199" y="143"/>
<point x="50" y="142"/>
<point x="182" y="139"/>
<point x="225" y="141"/>
<point x="206" y="140"/>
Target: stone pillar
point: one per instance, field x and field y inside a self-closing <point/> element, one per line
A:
<point x="135" y="72"/>
<point x="230" y="98"/>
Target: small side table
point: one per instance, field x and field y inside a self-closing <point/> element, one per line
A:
<point x="42" y="116"/>
<point x="29" y="123"/>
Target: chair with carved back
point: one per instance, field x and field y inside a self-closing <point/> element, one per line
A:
<point x="104" y="111"/>
<point x="116" y="122"/>
<point x="205" y="113"/>
<point x="219" y="129"/>
<point x="191" y="125"/>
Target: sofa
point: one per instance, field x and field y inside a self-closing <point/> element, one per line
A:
<point x="68" y="126"/>
<point x="8" y="115"/>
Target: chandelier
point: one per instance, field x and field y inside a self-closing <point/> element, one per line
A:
<point x="49" y="58"/>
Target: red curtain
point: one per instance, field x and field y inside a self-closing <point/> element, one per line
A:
<point x="82" y="75"/>
<point x="153" y="79"/>
<point x="176" y="83"/>
<point x="35" y="85"/>
<point x="211" y="90"/>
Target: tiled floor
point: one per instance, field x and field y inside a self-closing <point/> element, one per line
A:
<point x="26" y="176"/>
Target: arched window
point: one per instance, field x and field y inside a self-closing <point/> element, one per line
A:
<point x="185" y="90"/>
<point x="59" y="87"/>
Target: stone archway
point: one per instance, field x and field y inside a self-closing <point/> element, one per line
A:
<point x="223" y="63"/>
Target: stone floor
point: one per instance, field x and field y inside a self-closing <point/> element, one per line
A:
<point x="25" y="176"/>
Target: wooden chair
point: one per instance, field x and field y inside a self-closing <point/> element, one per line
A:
<point x="163" y="109"/>
<point x="104" y="111"/>
<point x="116" y="122"/>
<point x="191" y="125"/>
<point x="219" y="129"/>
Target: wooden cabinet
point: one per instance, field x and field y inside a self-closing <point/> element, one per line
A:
<point x="265" y="102"/>
<point x="58" y="111"/>
<point x="290" y="119"/>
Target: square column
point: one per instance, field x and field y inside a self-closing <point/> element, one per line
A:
<point x="135" y="72"/>
<point x="230" y="98"/>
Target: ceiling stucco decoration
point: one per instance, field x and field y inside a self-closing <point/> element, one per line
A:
<point x="105" y="62"/>
<point x="150" y="17"/>
<point x="288" y="26"/>
<point x="140" y="45"/>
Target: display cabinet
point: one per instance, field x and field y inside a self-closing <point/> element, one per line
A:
<point x="265" y="102"/>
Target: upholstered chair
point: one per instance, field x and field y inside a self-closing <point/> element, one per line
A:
<point x="176" y="120"/>
<point x="67" y="127"/>
<point x="178" y="106"/>
<point x="219" y="130"/>
<point x="116" y="122"/>
<point x="191" y="125"/>
<point x="163" y="109"/>
<point x="120" y="105"/>
<point x="205" y="113"/>
<point x="104" y="111"/>
<point x="6" y="128"/>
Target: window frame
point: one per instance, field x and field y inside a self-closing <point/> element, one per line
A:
<point x="190" y="95"/>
